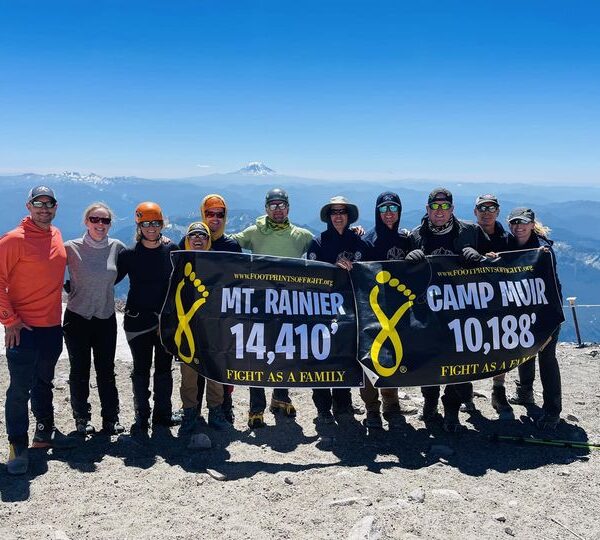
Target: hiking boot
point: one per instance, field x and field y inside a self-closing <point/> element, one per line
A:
<point x="547" y="422"/>
<point x="500" y="403"/>
<point x="140" y="427"/>
<point x="47" y="436"/>
<point x="451" y="421"/>
<point x="216" y="418"/>
<point x="522" y="396"/>
<point x="256" y="420"/>
<point x="112" y="428"/>
<point x="283" y="406"/>
<point x="188" y="421"/>
<point x="166" y="421"/>
<point x="84" y="426"/>
<point x="430" y="410"/>
<point x="373" y="420"/>
<point x="394" y="418"/>
<point x="18" y="459"/>
<point x="325" y="417"/>
<point x="468" y="406"/>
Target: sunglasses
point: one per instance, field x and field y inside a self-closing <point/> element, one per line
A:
<point x="153" y="223"/>
<point x="197" y="235"/>
<point x="440" y="206"/>
<point x="388" y="208"/>
<point x="41" y="204"/>
<point x="338" y="212"/>
<point x="487" y="207"/>
<point x="97" y="219"/>
<point x="219" y="215"/>
<point x="519" y="222"/>
<point x="277" y="206"/>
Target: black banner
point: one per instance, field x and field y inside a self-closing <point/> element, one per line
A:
<point x="281" y="322"/>
<point x="262" y="321"/>
<point x="441" y="323"/>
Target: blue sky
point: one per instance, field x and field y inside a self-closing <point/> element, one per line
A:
<point x="481" y="90"/>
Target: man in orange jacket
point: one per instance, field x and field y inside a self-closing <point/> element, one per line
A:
<point x="32" y="268"/>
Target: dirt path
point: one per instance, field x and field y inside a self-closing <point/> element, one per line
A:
<point x="290" y="481"/>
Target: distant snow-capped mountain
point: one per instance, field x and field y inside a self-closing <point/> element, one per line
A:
<point x="256" y="168"/>
<point x="91" y="178"/>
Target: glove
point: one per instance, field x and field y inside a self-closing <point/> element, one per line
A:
<point x="471" y="255"/>
<point x="415" y="256"/>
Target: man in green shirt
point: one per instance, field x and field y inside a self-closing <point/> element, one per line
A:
<point x="273" y="234"/>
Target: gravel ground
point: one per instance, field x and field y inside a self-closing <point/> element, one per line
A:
<point x="291" y="480"/>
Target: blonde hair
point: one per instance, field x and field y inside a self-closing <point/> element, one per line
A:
<point x="540" y="229"/>
<point x="95" y="206"/>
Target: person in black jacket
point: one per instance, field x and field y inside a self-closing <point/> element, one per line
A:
<point x="148" y="265"/>
<point x="337" y="245"/>
<point x="494" y="240"/>
<point x="386" y="242"/>
<point x="440" y="233"/>
<point x="528" y="233"/>
<point x="213" y="210"/>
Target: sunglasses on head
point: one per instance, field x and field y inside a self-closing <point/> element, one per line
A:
<point x="40" y="204"/>
<point x="98" y="219"/>
<point x="277" y="205"/>
<point x="210" y="213"/>
<point x="197" y="235"/>
<point x="487" y="207"/>
<point x="440" y="206"/>
<point x="388" y="208"/>
<point x="338" y="211"/>
<point x="153" y="223"/>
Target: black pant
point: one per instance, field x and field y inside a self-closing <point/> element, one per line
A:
<point x="31" y="370"/>
<point x="142" y="347"/>
<point x="549" y="377"/>
<point x="454" y="394"/>
<point x="258" y="398"/>
<point x="82" y="337"/>
<point x="324" y="398"/>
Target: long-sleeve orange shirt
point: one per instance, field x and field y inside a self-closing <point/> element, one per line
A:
<point x="32" y="269"/>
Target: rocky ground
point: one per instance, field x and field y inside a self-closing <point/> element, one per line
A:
<point x="291" y="481"/>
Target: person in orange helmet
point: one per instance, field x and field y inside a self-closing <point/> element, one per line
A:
<point x="148" y="265"/>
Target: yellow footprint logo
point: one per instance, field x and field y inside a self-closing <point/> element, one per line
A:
<point x="388" y="325"/>
<point x="183" y="328"/>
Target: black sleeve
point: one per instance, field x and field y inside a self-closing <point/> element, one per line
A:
<point x="467" y="237"/>
<point x="232" y="245"/>
<point x="314" y="250"/>
<point x="122" y="265"/>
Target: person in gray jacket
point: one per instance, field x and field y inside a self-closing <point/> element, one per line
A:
<point x="90" y="324"/>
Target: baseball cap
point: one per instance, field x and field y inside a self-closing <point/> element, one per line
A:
<point x="482" y="199"/>
<point x="198" y="227"/>
<point x="440" y="194"/>
<point x="525" y="214"/>
<point x="40" y="191"/>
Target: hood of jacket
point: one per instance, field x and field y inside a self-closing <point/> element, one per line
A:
<point x="387" y="197"/>
<point x="214" y="201"/>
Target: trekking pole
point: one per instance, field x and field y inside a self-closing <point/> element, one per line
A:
<point x="571" y="301"/>
<point x="559" y="443"/>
